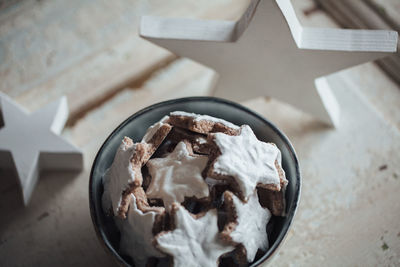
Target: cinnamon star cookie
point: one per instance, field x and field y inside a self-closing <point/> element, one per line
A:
<point x="246" y="160"/>
<point x="195" y="241"/>
<point x="177" y="176"/>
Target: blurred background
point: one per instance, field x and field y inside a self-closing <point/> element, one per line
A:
<point x="89" y="50"/>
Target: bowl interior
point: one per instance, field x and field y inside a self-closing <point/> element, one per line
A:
<point x="135" y="127"/>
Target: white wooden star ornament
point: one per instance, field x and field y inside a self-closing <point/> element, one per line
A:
<point x="261" y="59"/>
<point x="30" y="143"/>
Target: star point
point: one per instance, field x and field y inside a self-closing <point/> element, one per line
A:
<point x="194" y="242"/>
<point x="137" y="234"/>
<point x="249" y="168"/>
<point x="32" y="142"/>
<point x="177" y="176"/>
<point x="252" y="236"/>
<point x="267" y="52"/>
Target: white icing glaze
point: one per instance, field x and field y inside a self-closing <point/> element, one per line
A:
<point x="176" y="176"/>
<point x="164" y="119"/>
<point x="248" y="160"/>
<point x="194" y="242"/>
<point x="136" y="234"/>
<point x="201" y="140"/>
<point x="153" y="129"/>
<point x="199" y="117"/>
<point x="118" y="176"/>
<point x="251" y="228"/>
<point x="213" y="182"/>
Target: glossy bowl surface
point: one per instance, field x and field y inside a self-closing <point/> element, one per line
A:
<point x="135" y="127"/>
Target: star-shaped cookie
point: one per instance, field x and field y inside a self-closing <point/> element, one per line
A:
<point x="246" y="160"/>
<point x="247" y="224"/>
<point x="203" y="124"/>
<point x="194" y="242"/>
<point x="123" y="173"/>
<point x="177" y="176"/>
<point x="137" y="235"/>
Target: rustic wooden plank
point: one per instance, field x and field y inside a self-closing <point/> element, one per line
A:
<point x="389" y="10"/>
<point x="103" y="75"/>
<point x="359" y="14"/>
<point x="63" y="47"/>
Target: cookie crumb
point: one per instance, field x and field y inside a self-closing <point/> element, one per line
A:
<point x="42" y="216"/>
<point x="383" y="167"/>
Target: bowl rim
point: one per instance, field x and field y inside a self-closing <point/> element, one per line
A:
<point x="290" y="214"/>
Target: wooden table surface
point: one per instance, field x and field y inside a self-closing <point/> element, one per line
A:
<point x="349" y="213"/>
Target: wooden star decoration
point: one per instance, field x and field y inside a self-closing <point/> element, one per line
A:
<point x="261" y="59"/>
<point x="30" y="143"/>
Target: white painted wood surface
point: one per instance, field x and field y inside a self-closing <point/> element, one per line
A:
<point x="30" y="143"/>
<point x="62" y="46"/>
<point x="239" y="51"/>
<point x="367" y="14"/>
<point x="349" y="212"/>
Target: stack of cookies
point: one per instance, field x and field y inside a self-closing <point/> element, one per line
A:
<point x="196" y="191"/>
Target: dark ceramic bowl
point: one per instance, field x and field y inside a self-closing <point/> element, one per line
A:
<point x="135" y="127"/>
